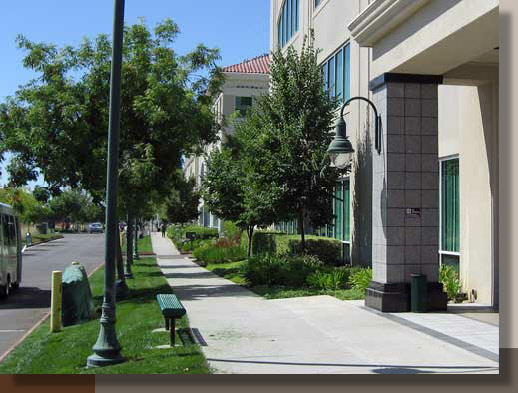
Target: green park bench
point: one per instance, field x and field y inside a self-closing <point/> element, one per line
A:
<point x="172" y="309"/>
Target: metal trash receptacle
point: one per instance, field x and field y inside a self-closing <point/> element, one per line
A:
<point x="418" y="293"/>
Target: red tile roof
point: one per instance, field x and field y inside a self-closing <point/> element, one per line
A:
<point x="257" y="65"/>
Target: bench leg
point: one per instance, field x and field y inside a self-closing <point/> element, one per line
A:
<point x="166" y="323"/>
<point x="173" y="331"/>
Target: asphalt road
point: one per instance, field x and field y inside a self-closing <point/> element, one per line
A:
<point x="24" y="307"/>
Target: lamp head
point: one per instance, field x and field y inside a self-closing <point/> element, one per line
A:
<point x="340" y="150"/>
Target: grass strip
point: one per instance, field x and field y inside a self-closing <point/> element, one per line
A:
<point x="137" y="316"/>
<point x="233" y="272"/>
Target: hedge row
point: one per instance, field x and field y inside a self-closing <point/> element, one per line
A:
<point x="327" y="250"/>
<point x="177" y="233"/>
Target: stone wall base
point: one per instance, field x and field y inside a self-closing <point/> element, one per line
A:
<point x="395" y="297"/>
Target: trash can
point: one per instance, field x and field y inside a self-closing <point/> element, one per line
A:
<point x="418" y="293"/>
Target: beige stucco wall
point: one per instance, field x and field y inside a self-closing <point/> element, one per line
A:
<point x="438" y="37"/>
<point x="468" y="127"/>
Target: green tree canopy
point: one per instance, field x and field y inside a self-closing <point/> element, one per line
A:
<point x="181" y="205"/>
<point x="58" y="123"/>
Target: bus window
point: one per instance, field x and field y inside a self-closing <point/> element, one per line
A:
<point x="5" y="230"/>
<point x="12" y="231"/>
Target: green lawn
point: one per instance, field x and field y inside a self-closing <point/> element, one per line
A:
<point x="232" y="271"/>
<point x="66" y="352"/>
<point x="144" y="245"/>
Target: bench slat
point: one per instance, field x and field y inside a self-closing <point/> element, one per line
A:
<point x="170" y="306"/>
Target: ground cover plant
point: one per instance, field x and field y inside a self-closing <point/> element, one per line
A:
<point x="137" y="316"/>
<point x="276" y="277"/>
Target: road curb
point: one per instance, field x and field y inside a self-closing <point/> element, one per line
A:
<point x="37" y="324"/>
<point x="25" y="248"/>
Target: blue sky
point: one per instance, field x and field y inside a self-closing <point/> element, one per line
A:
<point x="240" y="28"/>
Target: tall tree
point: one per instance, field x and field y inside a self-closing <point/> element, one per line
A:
<point x="287" y="136"/>
<point x="232" y="192"/>
<point x="58" y="123"/>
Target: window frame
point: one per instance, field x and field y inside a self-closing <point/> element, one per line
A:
<point x="441" y="251"/>
<point x="287" y="21"/>
<point x="240" y="108"/>
<point x="345" y="50"/>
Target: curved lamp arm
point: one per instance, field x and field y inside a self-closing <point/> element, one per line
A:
<point x="377" y="123"/>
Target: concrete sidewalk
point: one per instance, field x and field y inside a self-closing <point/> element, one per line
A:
<point x="248" y="334"/>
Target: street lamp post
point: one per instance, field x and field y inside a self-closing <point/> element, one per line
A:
<point x="107" y="348"/>
<point x="340" y="149"/>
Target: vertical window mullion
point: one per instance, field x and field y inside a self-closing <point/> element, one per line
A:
<point x="346" y="73"/>
<point x="288" y="19"/>
<point x="339" y="75"/>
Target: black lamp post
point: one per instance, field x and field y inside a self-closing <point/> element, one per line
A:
<point x="340" y="149"/>
<point x="107" y="348"/>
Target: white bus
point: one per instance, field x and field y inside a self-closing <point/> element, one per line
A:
<point x="11" y="251"/>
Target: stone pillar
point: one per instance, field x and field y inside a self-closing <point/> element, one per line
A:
<point x="405" y="211"/>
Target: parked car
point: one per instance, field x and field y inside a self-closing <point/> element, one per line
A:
<point x="96" y="227"/>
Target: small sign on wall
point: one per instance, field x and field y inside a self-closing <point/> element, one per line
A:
<point x="413" y="212"/>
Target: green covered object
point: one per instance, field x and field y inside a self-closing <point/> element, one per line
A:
<point x="78" y="304"/>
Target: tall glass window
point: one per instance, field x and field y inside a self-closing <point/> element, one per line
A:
<point x="450" y="212"/>
<point x="288" y="23"/>
<point x="331" y="78"/>
<point x="336" y="74"/>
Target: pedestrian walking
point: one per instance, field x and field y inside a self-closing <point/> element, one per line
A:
<point x="164" y="227"/>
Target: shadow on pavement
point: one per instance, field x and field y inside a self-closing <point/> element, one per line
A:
<point x="27" y="297"/>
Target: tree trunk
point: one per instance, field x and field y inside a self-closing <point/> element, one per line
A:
<point x="301" y="229"/>
<point x="129" y="239"/>
<point x="118" y="254"/>
<point x="136" y="237"/>
<point x="250" y="232"/>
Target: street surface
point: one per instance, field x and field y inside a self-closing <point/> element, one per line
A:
<point x="25" y="306"/>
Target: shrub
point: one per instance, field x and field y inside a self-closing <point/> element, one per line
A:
<point x="360" y="279"/>
<point x="449" y="278"/>
<point x="215" y="254"/>
<point x="263" y="269"/>
<point x="287" y="270"/>
<point x="201" y="232"/>
<point x="327" y="250"/>
<point x="330" y="280"/>
<point x="193" y="245"/>
<point x="232" y="231"/>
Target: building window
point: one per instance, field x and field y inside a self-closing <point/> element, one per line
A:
<point x="288" y="23"/>
<point x="341" y="211"/>
<point x="336" y="74"/>
<point x="317" y="2"/>
<point x="449" y="236"/>
<point x="206" y="217"/>
<point x="243" y="104"/>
